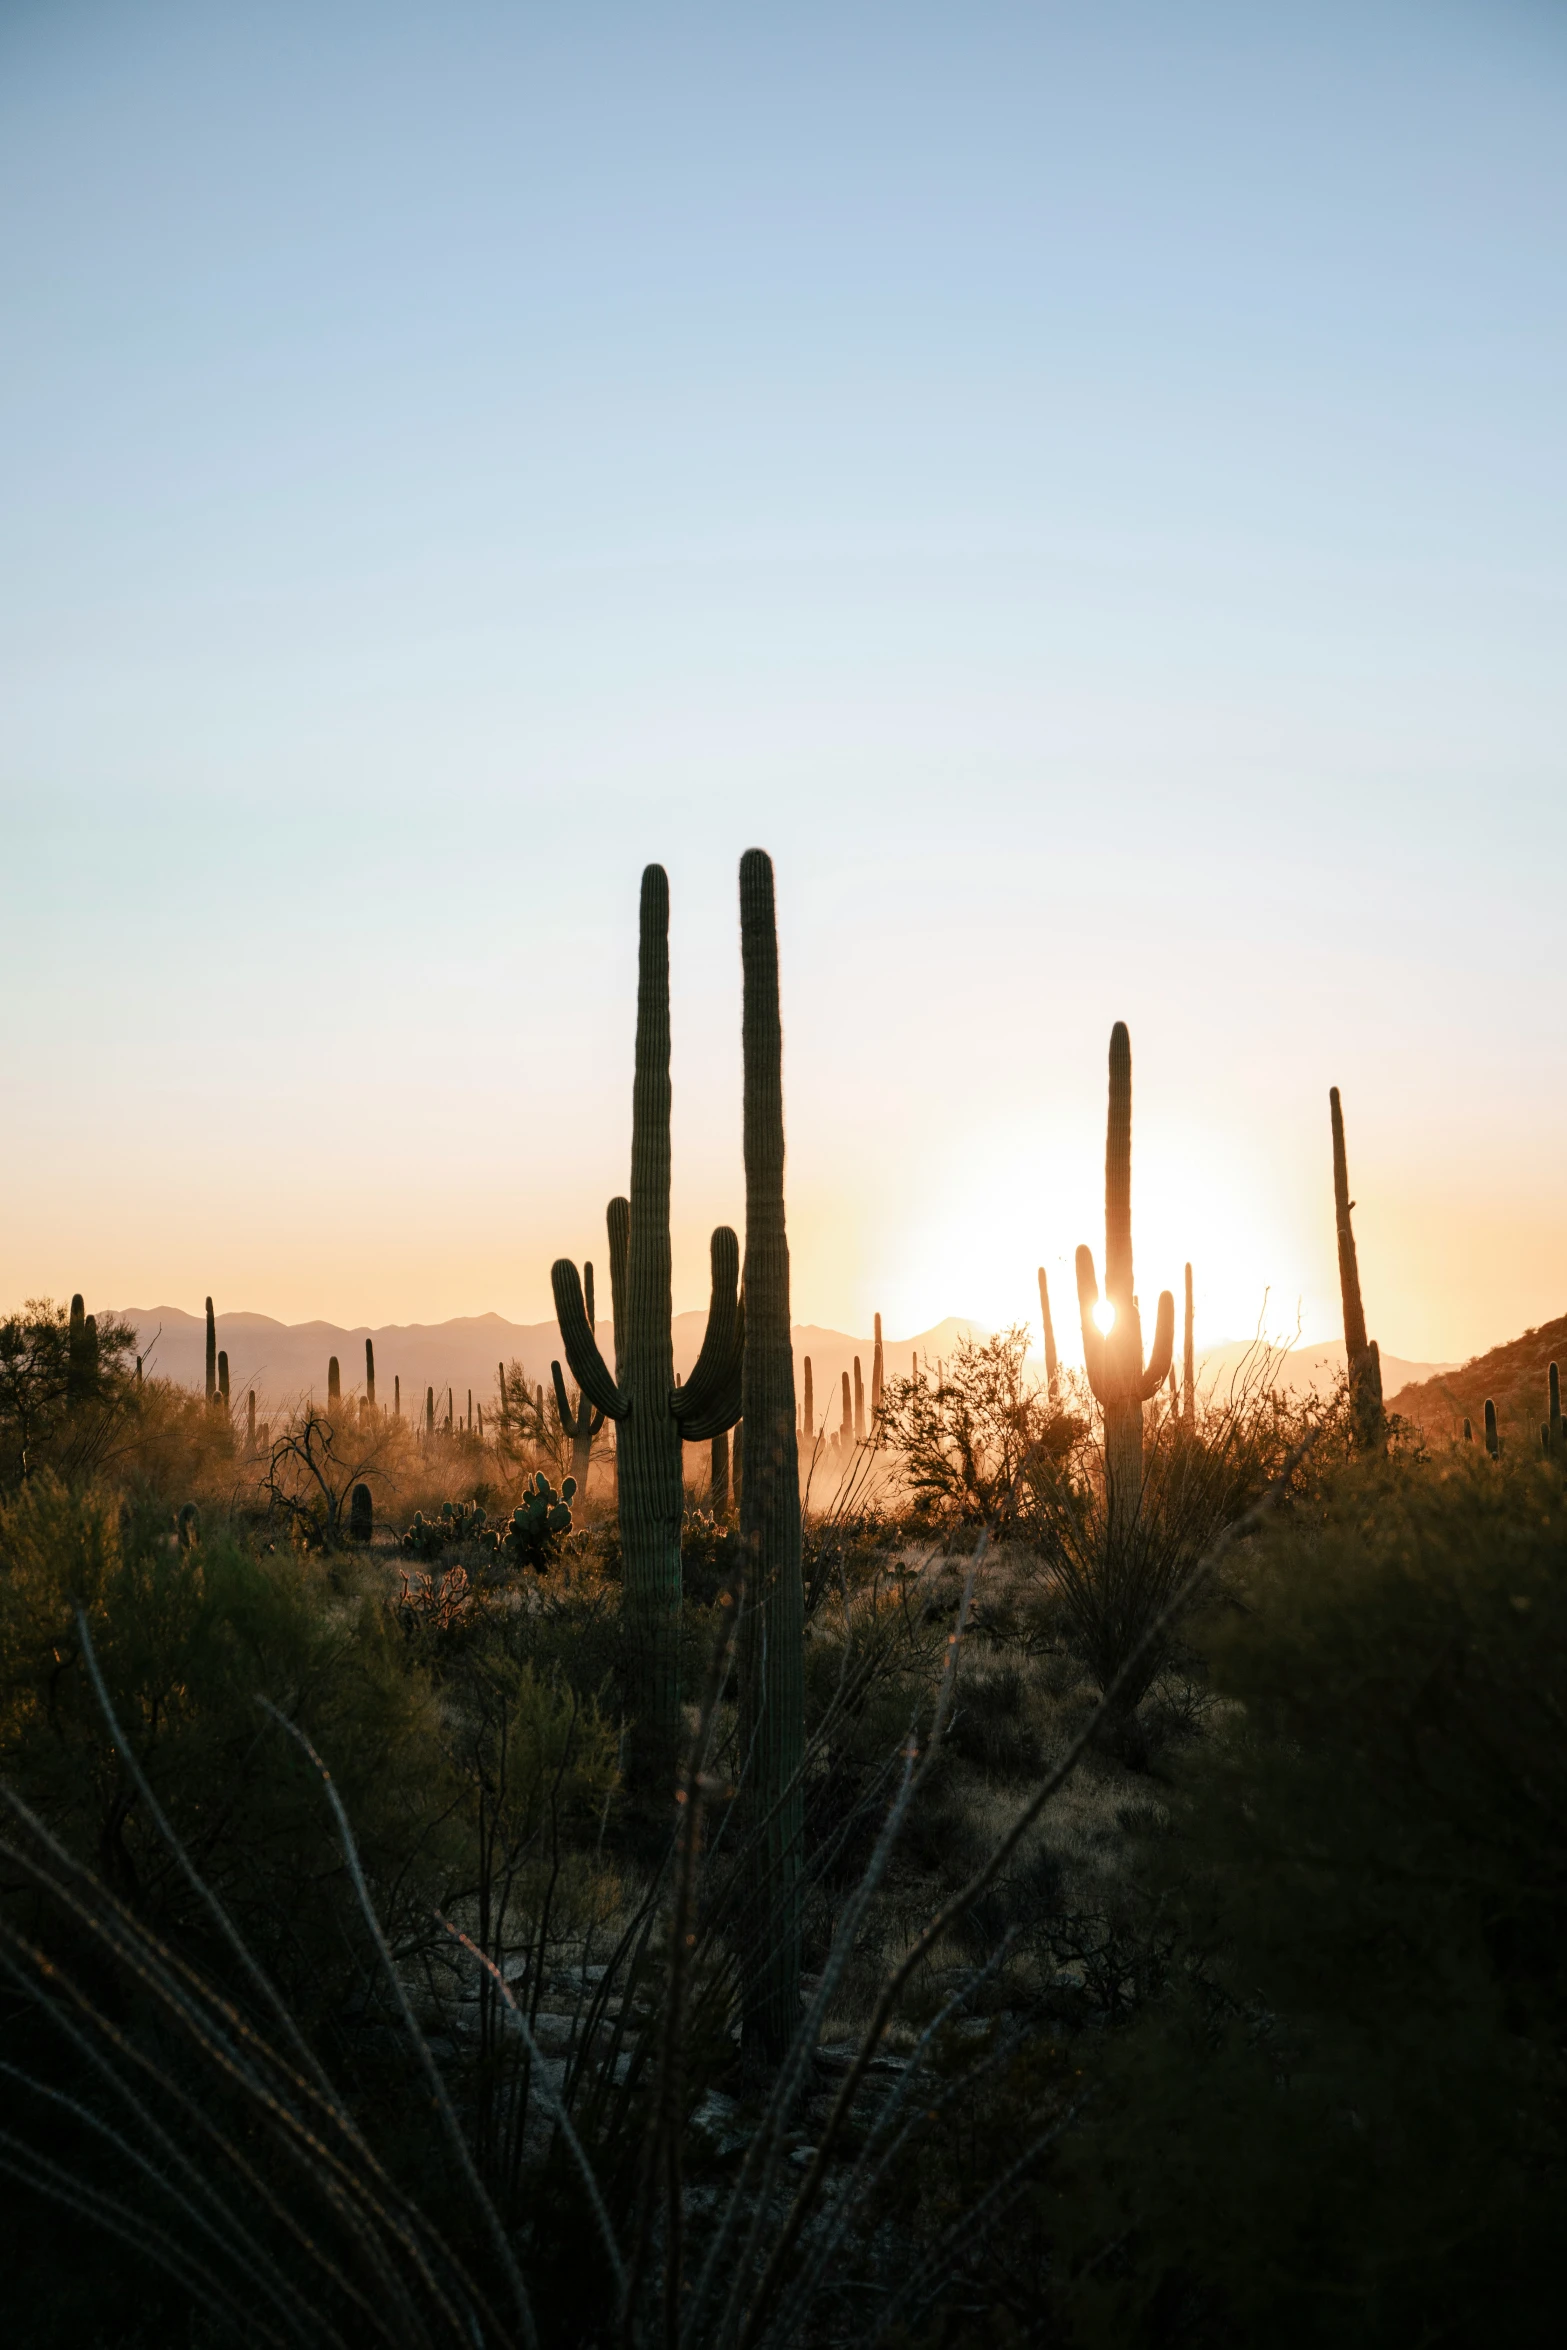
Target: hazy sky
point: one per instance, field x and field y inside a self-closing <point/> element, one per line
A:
<point x="1085" y="486"/>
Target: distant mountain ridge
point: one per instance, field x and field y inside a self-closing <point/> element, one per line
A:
<point x="284" y="1361"/>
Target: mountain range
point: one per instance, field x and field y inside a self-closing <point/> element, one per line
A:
<point x="283" y="1361"/>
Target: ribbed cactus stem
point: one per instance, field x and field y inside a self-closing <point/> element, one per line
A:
<point x="1120" y="1379"/>
<point x="1052" y="1363"/>
<point x="772" y="1664"/>
<point x="651" y="1487"/>
<point x="808" y="1416"/>
<point x="470" y="1411"/>
<point x="370" y="1373"/>
<point x="334" y="1383"/>
<point x="1493" y="1442"/>
<point x="859" y="1404"/>
<point x="1188" y="1363"/>
<point x="846" y="1428"/>
<point x="397" y="1395"/>
<point x="223" y="1380"/>
<point x="1362" y="1357"/>
<point x="429" y="1411"/>
<point x="212" y="1351"/>
<point x="878" y="1382"/>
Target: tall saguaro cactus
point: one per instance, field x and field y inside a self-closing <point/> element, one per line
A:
<point x="370" y="1373"/>
<point x="772" y="1644"/>
<point x="653" y="1416"/>
<point x="878" y="1381"/>
<point x="1363" y="1356"/>
<point x="1120" y="1379"/>
<point x="334" y="1383"/>
<point x="808" y="1410"/>
<point x="1188" y="1364"/>
<point x="212" y="1355"/>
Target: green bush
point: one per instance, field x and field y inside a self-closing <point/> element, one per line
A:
<point x="188" y="1635"/>
<point x="1342" y="2121"/>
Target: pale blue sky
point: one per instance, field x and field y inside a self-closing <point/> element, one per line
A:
<point x="1084" y="486"/>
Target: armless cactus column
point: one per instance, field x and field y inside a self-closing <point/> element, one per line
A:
<point x="370" y="1373"/>
<point x="772" y="1644"/>
<point x="212" y="1355"/>
<point x="859" y="1404"/>
<point x="334" y="1383"/>
<point x="1052" y="1365"/>
<point x="878" y="1381"/>
<point x="654" y="1417"/>
<point x="1364" y="1359"/>
<point x="1116" y="1371"/>
<point x="808" y="1418"/>
<point x="1188" y="1364"/>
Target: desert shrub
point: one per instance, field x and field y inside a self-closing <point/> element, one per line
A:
<point x="966" y="1441"/>
<point x="61" y="1400"/>
<point x="188" y="1634"/>
<point x="1361" y="2057"/>
<point x="1105" y="1581"/>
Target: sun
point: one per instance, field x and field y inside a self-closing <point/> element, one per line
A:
<point x="1104" y="1316"/>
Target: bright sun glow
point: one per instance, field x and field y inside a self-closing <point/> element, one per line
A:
<point x="1104" y="1315"/>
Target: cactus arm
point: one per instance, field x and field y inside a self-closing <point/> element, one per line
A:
<point x="595" y="1423"/>
<point x="720" y="1416"/>
<point x="567" y="1422"/>
<point x="1093" y="1337"/>
<point x="717" y="1367"/>
<point x="617" y="1219"/>
<point x="1163" y="1356"/>
<point x="1052" y="1368"/>
<point x="588" y="1366"/>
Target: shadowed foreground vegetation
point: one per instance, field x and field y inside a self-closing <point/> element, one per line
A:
<point x="1253" y="2032"/>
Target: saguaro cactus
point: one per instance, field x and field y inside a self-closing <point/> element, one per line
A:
<point x="808" y="1411"/>
<point x="583" y="1424"/>
<point x="846" y="1429"/>
<point x="429" y="1414"/>
<point x="223" y="1383"/>
<point x="1120" y="1379"/>
<point x="334" y="1383"/>
<point x="1493" y="1442"/>
<point x="397" y="1395"/>
<point x="878" y="1380"/>
<point x="370" y="1373"/>
<point x="212" y="1352"/>
<point x="1052" y="1365"/>
<point x="859" y="1404"/>
<point x="81" y="1353"/>
<point x="1363" y="1357"/>
<point x="1188" y="1364"/>
<point x="772" y="1642"/>
<point x="654" y="1416"/>
<point x="361" y="1515"/>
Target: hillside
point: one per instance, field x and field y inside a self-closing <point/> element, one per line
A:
<point x="1514" y="1376"/>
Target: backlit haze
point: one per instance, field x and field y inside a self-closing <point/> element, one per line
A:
<point x="1084" y="488"/>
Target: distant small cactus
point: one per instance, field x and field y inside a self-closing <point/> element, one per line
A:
<point x="361" y="1515"/>
<point x="212" y="1352"/>
<point x="334" y="1383"/>
<point x="1493" y="1442"/>
<point x="223" y="1384"/>
<point x="370" y="1373"/>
